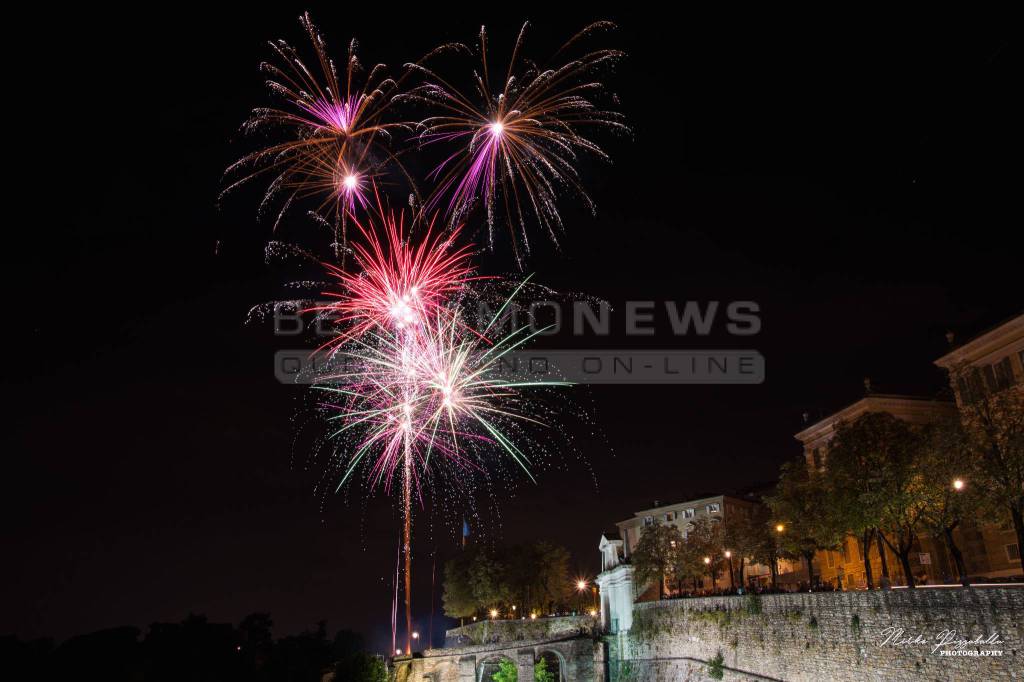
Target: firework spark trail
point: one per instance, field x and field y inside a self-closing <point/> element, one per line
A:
<point x="520" y="142"/>
<point x="421" y="389"/>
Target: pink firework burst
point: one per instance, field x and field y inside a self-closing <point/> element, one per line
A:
<point x="336" y="114"/>
<point x="332" y="136"/>
<point x="395" y="284"/>
<point x="518" y="139"/>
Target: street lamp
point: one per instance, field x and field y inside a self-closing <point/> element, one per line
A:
<point x="958" y="484"/>
<point x="779" y="528"/>
<point x="581" y="587"/>
<point x="494" y="613"/>
<point x="415" y="635"/>
<point x="732" y="581"/>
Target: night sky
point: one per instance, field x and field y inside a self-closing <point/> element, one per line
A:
<point x="857" y="181"/>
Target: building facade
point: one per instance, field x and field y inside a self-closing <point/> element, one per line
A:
<point x="989" y="363"/>
<point x="844" y="567"/>
<point x="717" y="508"/>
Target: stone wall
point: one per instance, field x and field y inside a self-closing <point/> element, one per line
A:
<point x="503" y="631"/>
<point x="573" y="657"/>
<point x="821" y="636"/>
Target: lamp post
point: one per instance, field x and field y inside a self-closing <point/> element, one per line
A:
<point x="958" y="486"/>
<point x="779" y="528"/>
<point x="732" y="580"/>
<point x="707" y="562"/>
<point x="581" y="587"/>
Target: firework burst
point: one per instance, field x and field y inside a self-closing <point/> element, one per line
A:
<point x="517" y="143"/>
<point x="420" y="399"/>
<point x="416" y="397"/>
<point x="440" y="395"/>
<point x="394" y="284"/>
<point x="336" y="139"/>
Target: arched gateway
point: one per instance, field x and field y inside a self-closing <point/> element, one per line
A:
<point x="566" y="645"/>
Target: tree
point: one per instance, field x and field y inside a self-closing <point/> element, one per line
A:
<point x="947" y="457"/>
<point x="874" y="482"/>
<point x="458" y="599"/>
<point x="654" y="555"/>
<point x="801" y="504"/>
<point x="533" y="577"/>
<point x="488" y="577"/>
<point x="353" y="663"/>
<point x="302" y="657"/>
<point x="704" y="541"/>
<point x="764" y="542"/>
<point x="541" y="672"/>
<point x="742" y="535"/>
<point x="994" y="428"/>
<point x="255" y="634"/>
<point x="506" y="671"/>
<point x="687" y="563"/>
<point x="538" y="576"/>
<point x="853" y="478"/>
<point x="900" y="494"/>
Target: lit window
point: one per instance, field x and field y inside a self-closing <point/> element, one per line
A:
<point x="714" y="508"/>
<point x="1012" y="552"/>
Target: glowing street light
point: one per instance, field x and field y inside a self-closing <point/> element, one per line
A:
<point x="779" y="528"/>
<point x="398" y="652"/>
<point x="581" y="585"/>
<point x="593" y="613"/>
<point x="707" y="560"/>
<point x="728" y="554"/>
<point x="494" y="613"/>
<point x="958" y="484"/>
<point x="533" y="616"/>
<point x="415" y="635"/>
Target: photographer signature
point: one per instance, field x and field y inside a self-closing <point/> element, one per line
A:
<point x="946" y="640"/>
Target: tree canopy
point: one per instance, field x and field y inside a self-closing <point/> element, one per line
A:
<point x="533" y="577"/>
